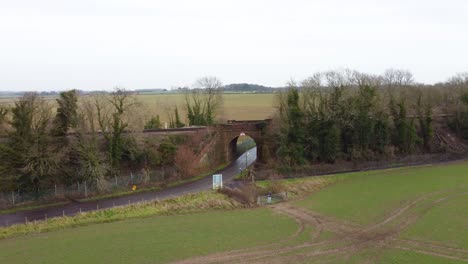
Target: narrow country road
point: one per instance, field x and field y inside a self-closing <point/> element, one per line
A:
<point x="75" y="207"/>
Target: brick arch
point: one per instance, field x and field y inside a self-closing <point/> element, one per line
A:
<point x="232" y="130"/>
<point x="233" y="145"/>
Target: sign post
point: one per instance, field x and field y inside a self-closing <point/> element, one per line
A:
<point x="217" y="181"/>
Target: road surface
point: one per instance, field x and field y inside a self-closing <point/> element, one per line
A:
<point x="75" y="207"/>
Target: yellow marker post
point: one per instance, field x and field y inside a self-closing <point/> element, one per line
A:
<point x="134" y="188"/>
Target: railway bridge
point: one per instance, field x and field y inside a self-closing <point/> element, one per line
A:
<point x="230" y="132"/>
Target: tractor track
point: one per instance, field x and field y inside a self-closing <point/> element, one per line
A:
<point x="350" y="238"/>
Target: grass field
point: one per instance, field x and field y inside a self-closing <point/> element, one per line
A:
<point x="235" y="106"/>
<point x="370" y="195"/>
<point x="447" y="224"/>
<point x="405" y="215"/>
<point x="150" y="240"/>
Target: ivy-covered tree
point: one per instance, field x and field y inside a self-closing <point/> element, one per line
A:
<point x="364" y="121"/>
<point x="292" y="133"/>
<point x="112" y="111"/>
<point x="178" y="123"/>
<point x="424" y="112"/>
<point x="204" y="101"/>
<point x="28" y="156"/>
<point x="405" y="137"/>
<point x="153" y="123"/>
<point x="66" y="116"/>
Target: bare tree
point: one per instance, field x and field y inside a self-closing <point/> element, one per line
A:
<point x="204" y="101"/>
<point x="112" y="113"/>
<point x="397" y="78"/>
<point x="340" y="78"/>
<point x="86" y="162"/>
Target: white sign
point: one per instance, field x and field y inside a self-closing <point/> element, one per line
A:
<point x="217" y="181"/>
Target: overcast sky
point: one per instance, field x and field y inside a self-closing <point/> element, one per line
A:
<point x="101" y="44"/>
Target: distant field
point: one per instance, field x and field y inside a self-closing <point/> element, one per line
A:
<point x="236" y="106"/>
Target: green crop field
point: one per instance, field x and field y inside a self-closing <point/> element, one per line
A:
<point x="368" y="196"/>
<point x="404" y="215"/>
<point x="422" y="210"/>
<point x="150" y="240"/>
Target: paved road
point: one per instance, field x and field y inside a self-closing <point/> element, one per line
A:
<point x="75" y="207"/>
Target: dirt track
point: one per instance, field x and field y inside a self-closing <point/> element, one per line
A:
<point x="348" y="239"/>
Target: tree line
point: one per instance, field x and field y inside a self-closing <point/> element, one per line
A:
<point x="348" y="115"/>
<point x="89" y="138"/>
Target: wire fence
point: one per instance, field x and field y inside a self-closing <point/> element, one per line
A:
<point x="86" y="189"/>
<point x="272" y="198"/>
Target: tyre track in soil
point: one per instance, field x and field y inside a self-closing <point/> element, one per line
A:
<point x="388" y="240"/>
<point x="347" y="233"/>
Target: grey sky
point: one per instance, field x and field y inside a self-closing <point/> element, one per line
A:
<point x="100" y="44"/>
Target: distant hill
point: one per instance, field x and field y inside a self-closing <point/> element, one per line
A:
<point x="154" y="90"/>
<point x="230" y="88"/>
<point x="246" y="87"/>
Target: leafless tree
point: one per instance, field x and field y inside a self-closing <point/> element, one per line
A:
<point x="397" y="78"/>
<point x="204" y="101"/>
<point x="113" y="118"/>
<point x="91" y="164"/>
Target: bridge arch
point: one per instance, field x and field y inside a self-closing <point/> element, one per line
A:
<point x="231" y="131"/>
<point x="240" y="144"/>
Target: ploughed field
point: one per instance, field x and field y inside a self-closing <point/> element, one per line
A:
<point x="405" y="215"/>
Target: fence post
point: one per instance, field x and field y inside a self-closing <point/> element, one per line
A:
<point x="55" y="189"/>
<point x="115" y="177"/>
<point x="78" y="183"/>
<point x="131" y="177"/>
<point x="258" y="200"/>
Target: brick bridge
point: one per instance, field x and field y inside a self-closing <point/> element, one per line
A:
<point x="224" y="147"/>
<point x="230" y="132"/>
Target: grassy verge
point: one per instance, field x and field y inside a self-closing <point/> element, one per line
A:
<point x="300" y="186"/>
<point x="191" y="203"/>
